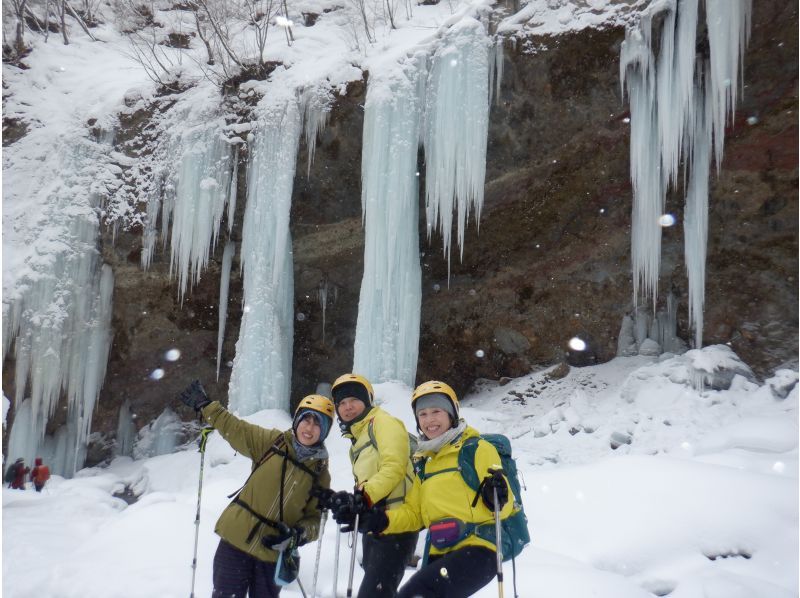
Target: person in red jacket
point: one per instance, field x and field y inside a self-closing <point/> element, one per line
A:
<point x="20" y="471"/>
<point x="40" y="474"/>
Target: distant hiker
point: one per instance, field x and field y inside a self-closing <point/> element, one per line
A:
<point x="459" y="559"/>
<point x="381" y="459"/>
<point x="18" y="475"/>
<point x="276" y="509"/>
<point x="40" y="474"/>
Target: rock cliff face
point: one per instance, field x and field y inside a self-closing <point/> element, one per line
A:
<point x="551" y="259"/>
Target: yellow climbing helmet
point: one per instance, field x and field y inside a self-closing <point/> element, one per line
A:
<point x="434" y="387"/>
<point x="353" y="385"/>
<point x="316" y="403"/>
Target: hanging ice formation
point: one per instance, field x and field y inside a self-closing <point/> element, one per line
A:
<point x="262" y="367"/>
<point x="680" y="102"/>
<point x="202" y="190"/>
<point x="456" y="124"/>
<point x="59" y="323"/>
<point x="387" y="329"/>
<point x="224" y="284"/>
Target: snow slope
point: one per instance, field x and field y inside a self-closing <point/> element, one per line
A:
<point x="701" y="503"/>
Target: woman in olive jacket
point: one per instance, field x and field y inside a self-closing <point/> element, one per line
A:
<point x="460" y="560"/>
<point x="276" y="508"/>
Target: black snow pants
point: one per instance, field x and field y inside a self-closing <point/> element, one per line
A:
<point x="236" y="573"/>
<point x="384" y="563"/>
<point x="457" y="574"/>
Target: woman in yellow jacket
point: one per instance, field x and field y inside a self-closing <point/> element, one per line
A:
<point x="459" y="562"/>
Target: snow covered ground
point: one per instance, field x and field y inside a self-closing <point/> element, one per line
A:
<point x="698" y="499"/>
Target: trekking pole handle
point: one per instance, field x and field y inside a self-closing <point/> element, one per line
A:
<point x="205" y="432"/>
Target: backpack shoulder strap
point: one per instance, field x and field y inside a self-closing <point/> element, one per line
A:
<point x="354" y="454"/>
<point x="466" y="462"/>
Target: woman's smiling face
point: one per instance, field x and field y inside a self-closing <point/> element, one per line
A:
<point x="433" y="421"/>
<point x="308" y="430"/>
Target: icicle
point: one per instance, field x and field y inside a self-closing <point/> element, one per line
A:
<point x="695" y="223"/>
<point x="322" y="295"/>
<point x="728" y="23"/>
<point x="262" y="367"/>
<point x="201" y="191"/>
<point x="316" y="105"/>
<point x="679" y="107"/>
<point x="126" y="431"/>
<point x="234" y="189"/>
<point x="387" y="329"/>
<point x="496" y="61"/>
<point x="225" y="279"/>
<point x="456" y="126"/>
<point x="645" y="162"/>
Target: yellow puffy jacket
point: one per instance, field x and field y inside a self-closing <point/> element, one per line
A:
<point x="380" y="455"/>
<point x="448" y="495"/>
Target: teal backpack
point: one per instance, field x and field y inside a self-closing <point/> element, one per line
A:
<point x="514" y="528"/>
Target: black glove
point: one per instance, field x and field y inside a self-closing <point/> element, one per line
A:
<point x="494" y="481"/>
<point x="345" y="506"/>
<point x="195" y="396"/>
<point x="287" y="537"/>
<point x="324" y="497"/>
<point x="372" y="520"/>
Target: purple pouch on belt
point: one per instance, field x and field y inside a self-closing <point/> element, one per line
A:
<point x="447" y="532"/>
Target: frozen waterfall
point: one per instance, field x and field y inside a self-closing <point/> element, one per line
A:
<point x="456" y="124"/>
<point x="59" y="324"/>
<point x="680" y="102"/>
<point x="387" y="330"/>
<point x="261" y="376"/>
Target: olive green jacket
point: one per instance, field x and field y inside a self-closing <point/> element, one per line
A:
<point x="261" y="492"/>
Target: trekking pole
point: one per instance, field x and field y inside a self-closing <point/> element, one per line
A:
<point x="302" y="591"/>
<point x="336" y="560"/>
<point x="204" y="433"/>
<point x="353" y="558"/>
<point x="499" y="539"/>
<point x="319" y="552"/>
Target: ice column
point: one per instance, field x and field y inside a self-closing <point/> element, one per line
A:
<point x="126" y="431"/>
<point x="387" y="330"/>
<point x="680" y="103"/>
<point x="456" y="125"/>
<point x="262" y="367"/>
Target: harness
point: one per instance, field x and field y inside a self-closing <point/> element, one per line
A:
<point x="277" y="448"/>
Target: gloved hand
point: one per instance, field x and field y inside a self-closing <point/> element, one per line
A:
<point x="287" y="537"/>
<point x="324" y="497"/>
<point x="372" y="520"/>
<point x="494" y="481"/>
<point x="195" y="396"/>
<point x="345" y="506"/>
